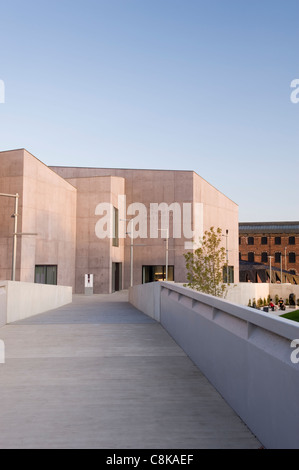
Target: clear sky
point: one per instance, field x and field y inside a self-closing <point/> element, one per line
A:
<point x="199" y="85"/>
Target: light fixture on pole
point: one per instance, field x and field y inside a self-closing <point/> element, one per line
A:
<point x="226" y="248"/>
<point x="167" y="250"/>
<point x="15" y="234"/>
<point x="131" y="249"/>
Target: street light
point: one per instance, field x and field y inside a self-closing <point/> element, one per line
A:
<point x="15" y="234"/>
<point x="131" y="249"/>
<point x="166" y="249"/>
<point x="226" y="247"/>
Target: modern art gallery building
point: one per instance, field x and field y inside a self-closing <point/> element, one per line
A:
<point x="101" y="230"/>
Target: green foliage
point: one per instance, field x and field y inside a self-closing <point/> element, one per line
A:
<point x="205" y="265"/>
<point x="292" y="315"/>
<point x="260" y="302"/>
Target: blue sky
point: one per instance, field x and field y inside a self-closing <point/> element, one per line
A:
<point x="199" y="85"/>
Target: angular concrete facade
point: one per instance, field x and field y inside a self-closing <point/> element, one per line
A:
<point x="65" y="205"/>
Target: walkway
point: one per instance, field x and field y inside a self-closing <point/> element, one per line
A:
<point x="100" y="374"/>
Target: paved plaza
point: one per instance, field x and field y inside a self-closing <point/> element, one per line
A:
<point x="100" y="374"/>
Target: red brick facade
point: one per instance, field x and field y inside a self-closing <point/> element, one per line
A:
<point x="278" y="240"/>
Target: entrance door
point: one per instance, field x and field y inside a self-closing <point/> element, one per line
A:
<point x="116" y="277"/>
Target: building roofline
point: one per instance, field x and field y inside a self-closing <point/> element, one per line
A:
<point x="144" y="169"/>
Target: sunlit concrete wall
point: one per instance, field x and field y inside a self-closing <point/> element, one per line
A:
<point x="47" y="209"/>
<point x="20" y="300"/>
<point x="248" y="355"/>
<point x="157" y="186"/>
<point x="93" y="254"/>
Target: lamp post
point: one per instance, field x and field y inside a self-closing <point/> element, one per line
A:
<point x="15" y="234"/>
<point x="226" y="248"/>
<point x="167" y="250"/>
<point x="131" y="249"/>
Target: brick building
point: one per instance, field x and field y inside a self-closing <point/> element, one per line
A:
<point x="274" y="244"/>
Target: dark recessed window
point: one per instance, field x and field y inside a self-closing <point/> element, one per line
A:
<point x="292" y="257"/>
<point x="291" y="240"/>
<point x="115" y="240"/>
<point x="250" y="241"/>
<point x="264" y="257"/>
<point x="228" y="272"/>
<point x="46" y="275"/>
<point x="156" y="273"/>
<point x="264" y="240"/>
<point x="277" y="240"/>
<point x="277" y="257"/>
<point x="251" y="257"/>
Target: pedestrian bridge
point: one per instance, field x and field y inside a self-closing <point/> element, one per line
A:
<point x="99" y="373"/>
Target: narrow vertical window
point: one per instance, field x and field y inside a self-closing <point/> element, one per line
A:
<point x="115" y="241"/>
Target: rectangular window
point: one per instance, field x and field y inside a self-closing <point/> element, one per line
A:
<point x="264" y="257"/>
<point x="292" y="257"/>
<point x="115" y="240"/>
<point x="228" y="272"/>
<point x="46" y="275"/>
<point x="156" y="273"/>
<point x="250" y="241"/>
<point x="291" y="240"/>
<point x="251" y="257"/>
<point x="264" y="240"/>
<point x="277" y="240"/>
<point x="277" y="257"/>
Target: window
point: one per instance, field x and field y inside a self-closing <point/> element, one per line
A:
<point x="277" y="240"/>
<point x="264" y="240"/>
<point x="291" y="240"/>
<point x="115" y="240"/>
<point x="292" y="257"/>
<point x="250" y="241"/>
<point x="228" y="272"/>
<point x="277" y="257"/>
<point x="264" y="257"/>
<point x="251" y="257"/>
<point x="46" y="275"/>
<point x="156" y="273"/>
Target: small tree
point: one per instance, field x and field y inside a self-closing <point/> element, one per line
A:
<point x="205" y="265"/>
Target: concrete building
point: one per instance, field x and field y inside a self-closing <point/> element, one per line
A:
<point x="106" y="229"/>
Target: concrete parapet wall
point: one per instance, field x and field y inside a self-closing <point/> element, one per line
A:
<point x="245" y="353"/>
<point x="20" y="300"/>
<point x="242" y="292"/>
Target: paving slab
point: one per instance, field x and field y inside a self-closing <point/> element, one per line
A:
<point x="99" y="374"/>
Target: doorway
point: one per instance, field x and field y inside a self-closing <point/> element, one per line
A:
<point x="116" y="277"/>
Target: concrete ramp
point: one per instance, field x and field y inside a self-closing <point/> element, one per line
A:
<point x="100" y="374"/>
